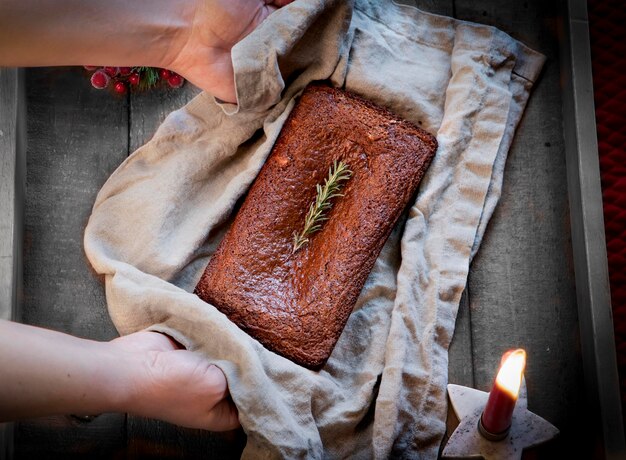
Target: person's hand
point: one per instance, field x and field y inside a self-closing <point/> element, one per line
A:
<point x="175" y="385"/>
<point x="45" y="372"/>
<point x="204" y="58"/>
<point x="191" y="37"/>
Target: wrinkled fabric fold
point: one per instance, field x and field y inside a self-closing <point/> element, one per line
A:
<point x="160" y="216"/>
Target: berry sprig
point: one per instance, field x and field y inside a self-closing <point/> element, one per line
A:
<point x="121" y="78"/>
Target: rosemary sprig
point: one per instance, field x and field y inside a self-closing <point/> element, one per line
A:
<point x="337" y="174"/>
<point x="149" y="77"/>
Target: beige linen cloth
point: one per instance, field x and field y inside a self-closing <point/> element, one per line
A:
<point x="159" y="217"/>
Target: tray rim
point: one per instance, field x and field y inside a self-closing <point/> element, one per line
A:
<point x="587" y="226"/>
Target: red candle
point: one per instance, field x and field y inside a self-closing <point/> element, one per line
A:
<point x="495" y="421"/>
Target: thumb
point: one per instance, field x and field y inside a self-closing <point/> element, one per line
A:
<point x="223" y="416"/>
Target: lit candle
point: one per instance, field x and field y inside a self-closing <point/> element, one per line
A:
<point x="495" y="421"/>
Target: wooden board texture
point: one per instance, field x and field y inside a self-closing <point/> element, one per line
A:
<point x="520" y="291"/>
<point x="76" y="138"/>
<point x="11" y="187"/>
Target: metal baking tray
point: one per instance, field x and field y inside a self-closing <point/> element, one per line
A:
<point x="603" y="415"/>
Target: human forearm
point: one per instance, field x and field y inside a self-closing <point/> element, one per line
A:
<point x="91" y="32"/>
<point x="146" y="373"/>
<point x="45" y="372"/>
<point x="191" y="37"/>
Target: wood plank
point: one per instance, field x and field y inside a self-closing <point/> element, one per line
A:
<point x="460" y="357"/>
<point x="77" y="136"/>
<point x="522" y="290"/>
<point x="12" y="169"/>
<point x="12" y="165"/>
<point x="64" y="437"/>
<point x="160" y="440"/>
<point x="588" y="237"/>
<point x="148" y="109"/>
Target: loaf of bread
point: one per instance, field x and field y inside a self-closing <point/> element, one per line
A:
<point x="297" y="303"/>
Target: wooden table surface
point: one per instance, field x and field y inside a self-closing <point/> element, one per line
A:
<point x="520" y="292"/>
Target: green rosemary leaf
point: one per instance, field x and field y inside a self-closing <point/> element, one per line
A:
<point x="337" y="174"/>
<point x="149" y="76"/>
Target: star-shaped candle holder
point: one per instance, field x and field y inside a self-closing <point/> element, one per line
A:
<point x="467" y="441"/>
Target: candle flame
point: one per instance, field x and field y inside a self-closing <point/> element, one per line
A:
<point x="509" y="376"/>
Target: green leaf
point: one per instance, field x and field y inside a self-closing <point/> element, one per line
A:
<point x="148" y="77"/>
<point x="337" y="174"/>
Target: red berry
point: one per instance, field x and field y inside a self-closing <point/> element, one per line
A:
<point x="111" y="71"/>
<point x="119" y="87"/>
<point x="90" y="67"/>
<point x="164" y="74"/>
<point x="175" y="80"/>
<point x="133" y="79"/>
<point x="125" y="71"/>
<point x="99" y="79"/>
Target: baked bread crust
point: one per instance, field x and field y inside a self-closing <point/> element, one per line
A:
<point x="297" y="304"/>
